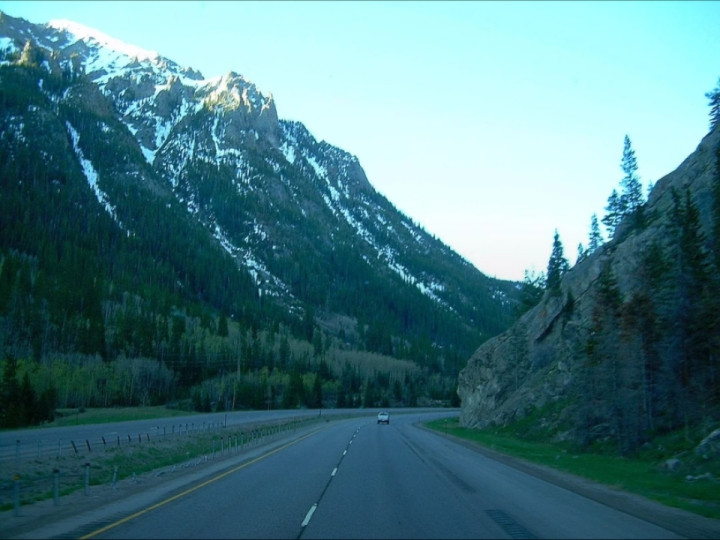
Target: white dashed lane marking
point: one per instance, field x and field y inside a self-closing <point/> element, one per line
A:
<point x="308" y="517"/>
<point x="310" y="512"/>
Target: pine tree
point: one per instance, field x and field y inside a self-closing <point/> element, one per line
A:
<point x="693" y="321"/>
<point x="715" y="242"/>
<point x="632" y="194"/>
<point x="596" y="239"/>
<point x="28" y="402"/>
<point x="582" y="253"/>
<point x="223" y="326"/>
<point x="557" y="266"/>
<point x="532" y="289"/>
<point x="629" y="202"/>
<point x="10" y="395"/>
<point x="714" y="98"/>
<point x="615" y="211"/>
<point x="598" y="376"/>
<point x="317" y="395"/>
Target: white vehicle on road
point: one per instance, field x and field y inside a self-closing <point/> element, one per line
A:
<point x="383" y="417"/>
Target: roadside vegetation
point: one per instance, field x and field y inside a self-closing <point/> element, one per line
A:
<point x="81" y="416"/>
<point x="159" y="454"/>
<point x="693" y="486"/>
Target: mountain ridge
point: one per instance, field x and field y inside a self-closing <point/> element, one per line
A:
<point x="197" y="184"/>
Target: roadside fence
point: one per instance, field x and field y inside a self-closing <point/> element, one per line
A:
<point x="60" y="447"/>
<point x="55" y="468"/>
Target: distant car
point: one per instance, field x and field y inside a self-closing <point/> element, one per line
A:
<point x="383" y="417"/>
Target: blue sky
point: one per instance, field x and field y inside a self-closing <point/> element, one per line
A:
<point x="491" y="124"/>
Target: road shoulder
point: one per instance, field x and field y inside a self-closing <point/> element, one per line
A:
<point x="676" y="520"/>
<point x="78" y="514"/>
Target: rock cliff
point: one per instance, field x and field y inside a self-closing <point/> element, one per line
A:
<point x="542" y="362"/>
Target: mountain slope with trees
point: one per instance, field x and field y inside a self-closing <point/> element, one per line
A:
<point x="622" y="347"/>
<point x="166" y="238"/>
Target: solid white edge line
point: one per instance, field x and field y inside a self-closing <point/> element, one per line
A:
<point x="309" y="515"/>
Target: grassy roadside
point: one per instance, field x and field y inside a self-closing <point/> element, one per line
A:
<point x="136" y="458"/>
<point x="74" y="417"/>
<point x="643" y="475"/>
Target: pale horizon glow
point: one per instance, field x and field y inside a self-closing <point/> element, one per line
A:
<point x="490" y="124"/>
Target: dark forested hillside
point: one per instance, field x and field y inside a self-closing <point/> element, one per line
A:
<point x="166" y="239"/>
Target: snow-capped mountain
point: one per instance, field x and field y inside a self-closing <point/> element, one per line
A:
<point x="298" y="215"/>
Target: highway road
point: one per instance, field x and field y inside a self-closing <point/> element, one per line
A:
<point x="353" y="478"/>
<point x="27" y="443"/>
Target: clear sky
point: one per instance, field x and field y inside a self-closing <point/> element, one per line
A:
<point x="490" y="124"/>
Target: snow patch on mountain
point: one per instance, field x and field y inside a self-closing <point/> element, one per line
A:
<point x="91" y="175"/>
<point x="82" y="32"/>
<point x="6" y="46"/>
<point x="320" y="171"/>
<point x="289" y="152"/>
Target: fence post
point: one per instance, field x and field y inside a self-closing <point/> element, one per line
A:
<point x="87" y="477"/>
<point x="16" y="495"/>
<point x="114" y="480"/>
<point x="56" y="486"/>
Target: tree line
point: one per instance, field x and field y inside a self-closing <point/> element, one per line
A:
<point x="625" y="206"/>
<point x="648" y="364"/>
<point x="147" y="312"/>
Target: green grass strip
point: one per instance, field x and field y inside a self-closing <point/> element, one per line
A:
<point x="642" y="475"/>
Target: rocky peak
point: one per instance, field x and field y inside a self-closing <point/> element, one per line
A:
<point x="245" y="113"/>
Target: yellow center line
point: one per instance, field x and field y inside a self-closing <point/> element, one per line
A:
<point x="194" y="488"/>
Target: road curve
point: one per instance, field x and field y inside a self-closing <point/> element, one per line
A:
<point x="28" y="442"/>
<point x="357" y="479"/>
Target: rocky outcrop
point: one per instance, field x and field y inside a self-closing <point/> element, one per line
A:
<point x="538" y="361"/>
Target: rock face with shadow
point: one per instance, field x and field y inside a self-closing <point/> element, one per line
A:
<point x="624" y="347"/>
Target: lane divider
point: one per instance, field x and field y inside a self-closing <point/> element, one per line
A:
<point x="308" y="516"/>
<point x="196" y="487"/>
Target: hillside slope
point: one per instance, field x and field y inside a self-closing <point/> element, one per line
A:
<point x="628" y="348"/>
<point x="150" y="213"/>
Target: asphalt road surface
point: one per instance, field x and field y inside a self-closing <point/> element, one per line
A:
<point x="356" y="479"/>
<point x="29" y="442"/>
